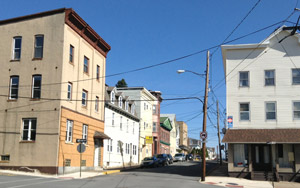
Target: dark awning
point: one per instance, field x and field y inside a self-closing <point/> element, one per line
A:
<point x="185" y="148"/>
<point x="262" y="136"/>
<point x="100" y="135"/>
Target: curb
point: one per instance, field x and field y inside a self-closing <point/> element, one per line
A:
<point x="111" y="172"/>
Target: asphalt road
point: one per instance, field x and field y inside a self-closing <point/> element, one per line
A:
<point x="180" y="174"/>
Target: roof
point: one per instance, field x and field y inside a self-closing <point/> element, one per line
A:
<point x="165" y="123"/>
<point x="73" y="20"/>
<point x="262" y="136"/>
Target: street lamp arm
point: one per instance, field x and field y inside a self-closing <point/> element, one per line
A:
<point x="184" y="98"/>
<point x="182" y="71"/>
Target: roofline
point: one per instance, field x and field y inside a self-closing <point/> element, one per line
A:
<point x="143" y="89"/>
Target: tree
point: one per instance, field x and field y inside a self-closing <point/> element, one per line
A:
<point x="121" y="83"/>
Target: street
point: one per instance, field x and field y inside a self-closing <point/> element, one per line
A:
<point x="180" y="174"/>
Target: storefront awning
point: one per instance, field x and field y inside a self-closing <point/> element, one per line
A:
<point x="262" y="136"/>
<point x="100" y="135"/>
<point x="185" y="148"/>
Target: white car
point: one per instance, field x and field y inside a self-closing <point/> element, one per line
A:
<point x="179" y="157"/>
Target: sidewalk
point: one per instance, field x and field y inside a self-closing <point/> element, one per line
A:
<point x="219" y="177"/>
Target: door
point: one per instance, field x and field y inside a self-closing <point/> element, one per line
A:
<point x="96" y="153"/>
<point x="261" y="157"/>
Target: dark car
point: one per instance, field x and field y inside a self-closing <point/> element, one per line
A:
<point x="150" y="162"/>
<point x="163" y="159"/>
<point x="170" y="159"/>
<point x="189" y="157"/>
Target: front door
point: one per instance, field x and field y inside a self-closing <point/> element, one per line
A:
<point x="261" y="157"/>
<point x="97" y="152"/>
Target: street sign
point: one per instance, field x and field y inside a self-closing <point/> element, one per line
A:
<point x="80" y="140"/>
<point x="81" y="148"/>
<point x="230" y="121"/>
<point x="203" y="135"/>
<point x="149" y="139"/>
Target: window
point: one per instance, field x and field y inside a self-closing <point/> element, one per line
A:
<point x="121" y="123"/>
<point x="71" y="57"/>
<point x="154" y="127"/>
<point x="69" y="95"/>
<point x="14" y="87"/>
<point x="113" y="119"/>
<point x="36" y="86"/>
<point x="134" y="150"/>
<point x="85" y="132"/>
<point x="86" y="65"/>
<point x="98" y="72"/>
<point x="244" y="111"/>
<point x="29" y="129"/>
<point x="112" y="97"/>
<point x="244" y="79"/>
<point x="120" y="102"/>
<point x="127" y="149"/>
<point x="154" y="109"/>
<point x="5" y="158"/>
<point x="296" y="76"/>
<point x="109" y="145"/>
<point x="270" y="110"/>
<point x="84" y="98"/>
<point x="126" y="105"/>
<point x="38" y="46"/>
<point x="17" y="48"/>
<point x="69" y="131"/>
<point x="296" y="109"/>
<point x="132" y="108"/>
<point x="97" y="104"/>
<point x="269" y="77"/>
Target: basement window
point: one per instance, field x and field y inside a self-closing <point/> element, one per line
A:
<point x="5" y="157"/>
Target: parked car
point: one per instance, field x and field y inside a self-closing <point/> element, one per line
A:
<point x="162" y="159"/>
<point x="179" y="157"/>
<point x="150" y="162"/>
<point x="170" y="159"/>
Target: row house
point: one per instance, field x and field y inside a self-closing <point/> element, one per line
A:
<point x="263" y="99"/>
<point x="173" y="132"/>
<point x="165" y="128"/>
<point x="156" y="123"/>
<point x="144" y="109"/>
<point x="122" y="126"/>
<point x="45" y="103"/>
<point x="183" y="137"/>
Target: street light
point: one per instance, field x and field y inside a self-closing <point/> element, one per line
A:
<point x="204" y="113"/>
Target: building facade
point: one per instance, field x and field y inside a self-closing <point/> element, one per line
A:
<point x="183" y="135"/>
<point x="263" y="99"/>
<point x="144" y="109"/>
<point x="156" y="122"/>
<point x="165" y="128"/>
<point x="122" y="126"/>
<point x="44" y="56"/>
<point x="173" y="144"/>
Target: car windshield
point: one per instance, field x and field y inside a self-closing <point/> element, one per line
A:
<point x="178" y="155"/>
<point x="148" y="159"/>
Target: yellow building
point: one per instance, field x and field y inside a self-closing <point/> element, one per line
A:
<point x="52" y="92"/>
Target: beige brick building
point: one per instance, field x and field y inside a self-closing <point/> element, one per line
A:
<point x="52" y="92"/>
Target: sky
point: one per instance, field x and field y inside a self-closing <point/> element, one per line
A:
<point x="143" y="33"/>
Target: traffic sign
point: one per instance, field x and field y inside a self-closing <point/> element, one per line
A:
<point x="203" y="135"/>
<point x="230" y="121"/>
<point x="81" y="148"/>
<point x="80" y="140"/>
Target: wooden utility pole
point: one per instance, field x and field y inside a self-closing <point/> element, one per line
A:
<point x="204" y="119"/>
<point x="218" y="116"/>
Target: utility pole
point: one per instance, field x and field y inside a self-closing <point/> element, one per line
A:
<point x="204" y="119"/>
<point x="218" y="116"/>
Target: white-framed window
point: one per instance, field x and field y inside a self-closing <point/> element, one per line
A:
<point x="71" y="56"/>
<point x="69" y="94"/>
<point x="127" y="128"/>
<point x="244" y="79"/>
<point x="86" y="64"/>
<point x="296" y="110"/>
<point x="244" y="111"/>
<point x="97" y="104"/>
<point x="296" y="76"/>
<point x="29" y="129"/>
<point x="154" y="127"/>
<point x="112" y="97"/>
<point x="132" y="108"/>
<point x="113" y="119"/>
<point x="98" y="72"/>
<point x="85" y="132"/>
<point x="270" y="110"/>
<point x="134" y="150"/>
<point x="84" y="98"/>
<point x="126" y="105"/>
<point x="17" y="48"/>
<point x="69" y="131"/>
<point x="14" y="87"/>
<point x="121" y="119"/>
<point x="120" y="102"/>
<point x="109" y="145"/>
<point x="154" y="109"/>
<point x="38" y="46"/>
<point x="36" y="86"/>
<point x="269" y="77"/>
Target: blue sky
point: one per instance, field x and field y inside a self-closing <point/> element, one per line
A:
<point x="143" y="33"/>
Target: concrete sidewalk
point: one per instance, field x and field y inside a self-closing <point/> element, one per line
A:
<point x="219" y="177"/>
